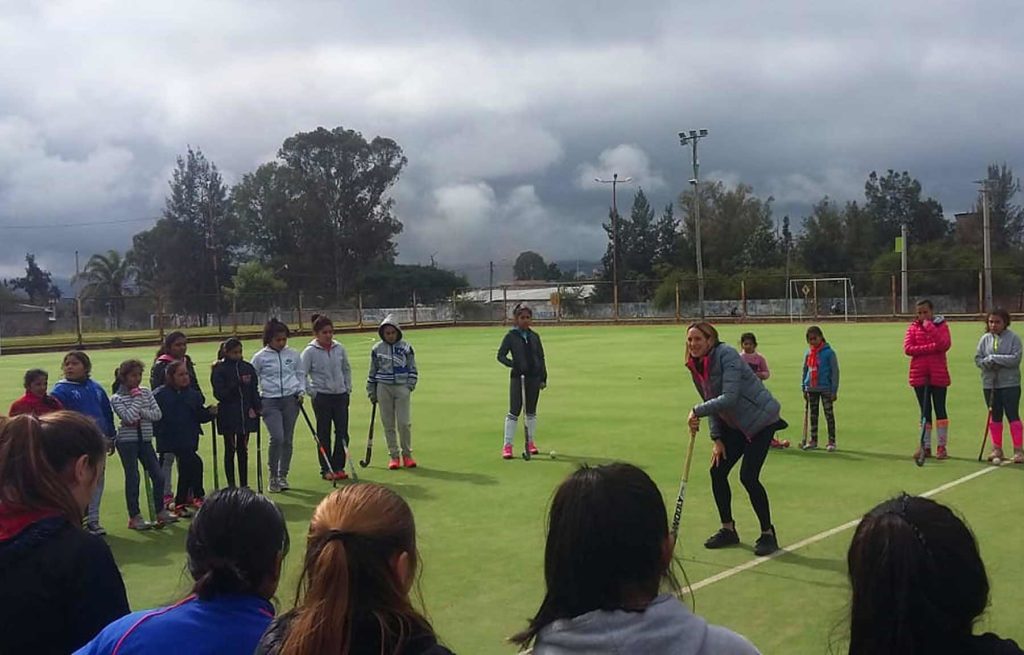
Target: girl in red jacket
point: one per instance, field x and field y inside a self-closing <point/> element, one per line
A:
<point x="35" y="401"/>
<point x="926" y="343"/>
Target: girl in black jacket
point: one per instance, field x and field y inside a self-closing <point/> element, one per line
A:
<point x="234" y="383"/>
<point x="60" y="585"/>
<point x="528" y="371"/>
<point x="177" y="432"/>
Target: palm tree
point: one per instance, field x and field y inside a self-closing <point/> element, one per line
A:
<point x="108" y="277"/>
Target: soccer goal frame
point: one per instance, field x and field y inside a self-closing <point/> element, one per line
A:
<point x="801" y="292"/>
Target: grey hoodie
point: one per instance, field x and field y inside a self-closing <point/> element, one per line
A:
<point x="666" y="626"/>
<point x="391" y="363"/>
<point x="1000" y="366"/>
<point x="329" y="371"/>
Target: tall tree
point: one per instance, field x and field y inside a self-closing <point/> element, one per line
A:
<point x="1006" y="218"/>
<point x="894" y="199"/>
<point x="107" y="278"/>
<point x="37" y="283"/>
<point x="667" y="237"/>
<point x="821" y="247"/>
<point x="530" y="266"/>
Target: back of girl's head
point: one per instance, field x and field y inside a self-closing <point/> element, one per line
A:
<point x="748" y="336"/>
<point x="122" y="372"/>
<point x="607" y="535"/>
<point x="34" y="374"/>
<point x="82" y="358"/>
<point x="356" y="536"/>
<point x="227" y="346"/>
<point x="1001" y="313"/>
<point x="36" y="455"/>
<point x="272" y="329"/>
<point x="235" y="544"/>
<point x="917" y="578"/>
<point x="169" y="339"/>
<point x="321" y="322"/>
<point x="815" y="330"/>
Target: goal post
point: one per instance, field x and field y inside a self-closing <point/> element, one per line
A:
<point x="817" y="297"/>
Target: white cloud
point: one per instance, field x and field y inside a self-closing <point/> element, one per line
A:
<point x="629" y="161"/>
<point x="492" y="149"/>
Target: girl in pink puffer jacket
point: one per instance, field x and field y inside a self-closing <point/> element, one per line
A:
<point x="926" y="343"/>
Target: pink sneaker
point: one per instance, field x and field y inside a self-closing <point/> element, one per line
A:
<point x="506" y="451"/>
<point x="940" y="453"/>
<point x="532" y="447"/>
<point x="408" y="462"/>
<point x="394" y="464"/>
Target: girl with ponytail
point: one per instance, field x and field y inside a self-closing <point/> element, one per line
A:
<point x="235" y="547"/>
<point x="60" y="584"/>
<point x="353" y="596"/>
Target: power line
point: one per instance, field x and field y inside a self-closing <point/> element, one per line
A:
<point x="70" y="225"/>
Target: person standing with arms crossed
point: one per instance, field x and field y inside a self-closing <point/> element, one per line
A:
<point x="926" y="343"/>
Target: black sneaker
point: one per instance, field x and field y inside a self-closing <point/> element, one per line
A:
<point x="722" y="538"/>
<point x="766" y="544"/>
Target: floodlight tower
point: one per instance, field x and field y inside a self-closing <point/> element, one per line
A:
<point x="615" y="181"/>
<point x="986" y="235"/>
<point x="690" y="139"/>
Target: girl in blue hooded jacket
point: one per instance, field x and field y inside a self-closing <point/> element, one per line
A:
<point x="820" y="384"/>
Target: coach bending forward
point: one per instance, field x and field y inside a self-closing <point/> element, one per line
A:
<point x="743" y="417"/>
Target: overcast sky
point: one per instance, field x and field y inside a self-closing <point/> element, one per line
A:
<point x="506" y="111"/>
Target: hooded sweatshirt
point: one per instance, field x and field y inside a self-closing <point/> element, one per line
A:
<point x="666" y="626"/>
<point x="60" y="584"/>
<point x="329" y="371"/>
<point x="34" y="405"/>
<point x="87" y="397"/>
<point x="391" y="363"/>
<point x="280" y="372"/>
<point x="998" y="357"/>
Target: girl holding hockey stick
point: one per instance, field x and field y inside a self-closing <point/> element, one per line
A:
<point x="998" y="357"/>
<point x="282" y="386"/>
<point x="926" y="343"/>
<point x="392" y="378"/>
<point x="330" y="384"/>
<point x="528" y="370"/>
<point x="235" y="386"/>
<point x="820" y="385"/>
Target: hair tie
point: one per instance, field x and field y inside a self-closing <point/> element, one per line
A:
<point x="338" y="535"/>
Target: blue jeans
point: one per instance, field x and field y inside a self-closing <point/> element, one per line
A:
<point x="132" y="452"/>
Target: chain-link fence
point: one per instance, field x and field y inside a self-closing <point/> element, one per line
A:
<point x="872" y="295"/>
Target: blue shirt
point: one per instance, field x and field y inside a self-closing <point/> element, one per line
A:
<point x="87" y="398"/>
<point x="225" y="625"/>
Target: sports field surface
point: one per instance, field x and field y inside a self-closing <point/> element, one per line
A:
<point x="621" y="394"/>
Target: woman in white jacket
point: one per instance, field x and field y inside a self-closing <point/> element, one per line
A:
<point x="608" y="553"/>
<point x="282" y="386"/>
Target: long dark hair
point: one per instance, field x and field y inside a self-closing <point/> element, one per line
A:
<point x="354" y="536"/>
<point x="122" y="371"/>
<point x="169" y="339"/>
<point x="35" y="454"/>
<point x="1001" y="313"/>
<point x="321" y="321"/>
<point x="227" y="346"/>
<point x="82" y="358"/>
<point x="607" y="532"/>
<point x="273" y="328"/>
<point x="234" y="543"/>
<point x="917" y="579"/>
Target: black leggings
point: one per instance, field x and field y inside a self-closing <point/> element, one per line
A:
<point x="937" y="396"/>
<point x="515" y="396"/>
<point x="190" y="476"/>
<point x="236" y="444"/>
<point x="332" y="408"/>
<point x="1003" y="401"/>
<point x="753" y="454"/>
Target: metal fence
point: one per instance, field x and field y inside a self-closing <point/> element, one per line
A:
<point x="741" y="296"/>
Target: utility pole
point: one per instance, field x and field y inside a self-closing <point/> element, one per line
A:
<point x="691" y="138"/>
<point x="904" y="247"/>
<point x="615" y="181"/>
<point x="490" y="285"/>
<point x="986" y="230"/>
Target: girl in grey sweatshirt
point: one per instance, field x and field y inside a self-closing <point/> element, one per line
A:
<point x="998" y="357"/>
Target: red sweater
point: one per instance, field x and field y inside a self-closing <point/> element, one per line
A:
<point x="34" y="405"/>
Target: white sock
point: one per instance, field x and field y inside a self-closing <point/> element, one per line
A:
<point x="531" y="427"/>
<point x="510" y="429"/>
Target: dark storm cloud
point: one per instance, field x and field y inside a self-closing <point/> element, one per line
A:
<point x="505" y="110"/>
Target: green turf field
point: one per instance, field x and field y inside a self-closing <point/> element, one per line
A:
<point x="621" y="393"/>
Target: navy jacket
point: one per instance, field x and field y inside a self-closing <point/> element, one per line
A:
<point x="235" y="397"/>
<point x="183" y="415"/>
<point x="527" y="354"/>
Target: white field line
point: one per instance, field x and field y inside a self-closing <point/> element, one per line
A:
<point x="758" y="561"/>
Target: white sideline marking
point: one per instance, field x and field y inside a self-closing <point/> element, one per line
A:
<point x="758" y="561"/>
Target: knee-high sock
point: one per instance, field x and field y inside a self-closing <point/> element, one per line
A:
<point x="942" y="430"/>
<point x="996" y="431"/>
<point x="531" y="427"/>
<point x="510" y="429"/>
<point x="927" y="435"/>
<point x="1017" y="434"/>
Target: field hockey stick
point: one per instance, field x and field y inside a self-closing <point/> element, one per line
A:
<point x="984" y="438"/>
<point x="807" y="409"/>
<point x="216" y="463"/>
<point x="925" y="409"/>
<point x="146" y="482"/>
<point x="319" y="445"/>
<point x="259" y="456"/>
<point x="369" y="439"/>
<point x="682" y="487"/>
<point x="526" y="424"/>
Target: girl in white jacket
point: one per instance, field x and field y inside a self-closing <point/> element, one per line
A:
<point x="282" y="386"/>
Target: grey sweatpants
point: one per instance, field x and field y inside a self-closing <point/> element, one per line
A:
<point x="93" y="514"/>
<point x="280" y="414"/>
<point x="395" y="404"/>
